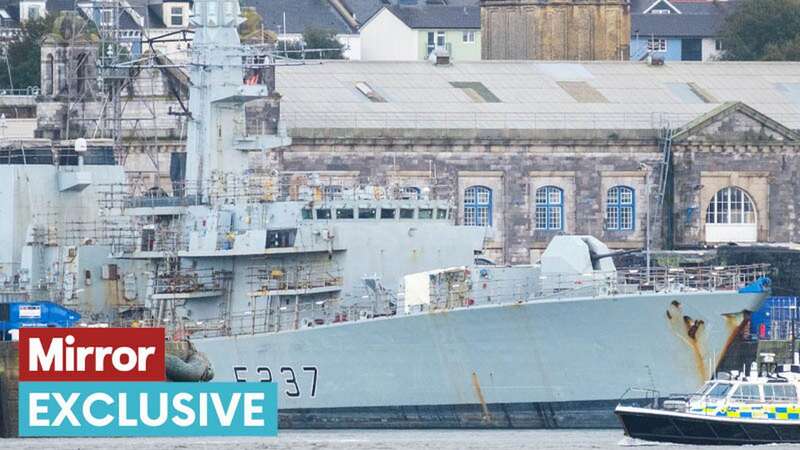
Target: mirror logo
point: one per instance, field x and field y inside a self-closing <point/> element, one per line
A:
<point x="112" y="382"/>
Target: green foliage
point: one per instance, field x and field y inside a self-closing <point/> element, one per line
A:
<point x="24" y="55"/>
<point x="316" y="44"/>
<point x="763" y="30"/>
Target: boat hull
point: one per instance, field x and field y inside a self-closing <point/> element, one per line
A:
<point x="488" y="366"/>
<point x="683" y="428"/>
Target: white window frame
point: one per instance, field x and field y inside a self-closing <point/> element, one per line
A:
<point x="656" y="45"/>
<point x="106" y="17"/>
<point x="173" y="15"/>
<point x="468" y="37"/>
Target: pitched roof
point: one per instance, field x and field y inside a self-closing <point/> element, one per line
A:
<point x="363" y="9"/>
<point x="632" y="95"/>
<point x="439" y="16"/>
<point x="702" y="18"/>
<point x="300" y="15"/>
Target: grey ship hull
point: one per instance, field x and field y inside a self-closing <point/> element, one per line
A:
<point x="540" y="364"/>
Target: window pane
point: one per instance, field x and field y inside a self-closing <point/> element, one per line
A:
<point x="626" y="218"/>
<point x="541" y="218"/>
<point x="554" y="196"/>
<point x="387" y="213"/>
<point x="612" y="215"/>
<point x="406" y="213"/>
<point x="541" y="196"/>
<point x="469" y="195"/>
<point x="613" y="196"/>
<point x="483" y="196"/>
<point x="426" y="213"/>
<point x="626" y="196"/>
<point x="555" y="218"/>
<point x="366" y="213"/>
<point x="482" y="218"/>
<point x="345" y="213"/>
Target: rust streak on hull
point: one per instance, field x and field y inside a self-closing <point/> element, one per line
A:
<point x="487" y="417"/>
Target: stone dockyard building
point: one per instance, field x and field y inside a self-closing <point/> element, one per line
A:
<point x="534" y="149"/>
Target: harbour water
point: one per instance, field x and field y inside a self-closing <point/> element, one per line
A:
<point x="369" y="439"/>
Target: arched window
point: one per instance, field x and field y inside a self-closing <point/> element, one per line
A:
<point x="620" y="208"/>
<point x="549" y="213"/>
<point x="410" y="193"/>
<point x="731" y="205"/>
<point x="478" y="206"/>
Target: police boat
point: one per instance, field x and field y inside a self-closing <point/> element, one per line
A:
<point x="733" y="409"/>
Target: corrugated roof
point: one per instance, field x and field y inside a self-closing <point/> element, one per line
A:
<point x="437" y="16"/>
<point x="420" y="94"/>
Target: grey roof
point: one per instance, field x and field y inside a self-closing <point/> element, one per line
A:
<point x="438" y="16"/>
<point x="300" y="15"/>
<point x="624" y="95"/>
<point x="363" y="9"/>
<point x="697" y="19"/>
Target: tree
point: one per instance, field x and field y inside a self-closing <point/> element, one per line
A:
<point x="24" y="55"/>
<point x="317" y="43"/>
<point x="762" y="30"/>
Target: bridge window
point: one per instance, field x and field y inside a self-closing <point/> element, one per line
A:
<point x="549" y="213"/>
<point x="387" y="213"/>
<point x="620" y="208"/>
<point x="366" y="213"/>
<point x="478" y="206"/>
<point x="323" y="213"/>
<point x="406" y="213"/>
<point x="425" y="213"/>
<point x="344" y="213"/>
<point x="280" y="238"/>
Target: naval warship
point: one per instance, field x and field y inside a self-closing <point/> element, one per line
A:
<point x="364" y="302"/>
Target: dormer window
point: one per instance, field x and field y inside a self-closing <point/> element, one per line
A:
<point x="661" y="11"/>
<point x="176" y="16"/>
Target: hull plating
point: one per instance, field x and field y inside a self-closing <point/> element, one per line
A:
<point x="551" y="352"/>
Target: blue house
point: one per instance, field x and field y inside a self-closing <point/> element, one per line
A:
<point x="678" y="30"/>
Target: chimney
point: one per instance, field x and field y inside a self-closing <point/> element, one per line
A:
<point x="441" y="57"/>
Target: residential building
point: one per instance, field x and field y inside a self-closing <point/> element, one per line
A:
<point x="408" y="33"/>
<point x="289" y="19"/>
<point x="678" y="30"/>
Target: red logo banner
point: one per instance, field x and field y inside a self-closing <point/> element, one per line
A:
<point x="91" y="354"/>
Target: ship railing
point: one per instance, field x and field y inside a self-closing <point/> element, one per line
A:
<point x="682" y="279"/>
<point x="190" y="281"/>
<point x="640" y="398"/>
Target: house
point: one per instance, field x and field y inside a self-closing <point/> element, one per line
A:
<point x="413" y="32"/>
<point x="678" y="30"/>
<point x="290" y="18"/>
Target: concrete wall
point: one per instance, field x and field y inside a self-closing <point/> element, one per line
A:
<point x="560" y="30"/>
<point x="387" y="38"/>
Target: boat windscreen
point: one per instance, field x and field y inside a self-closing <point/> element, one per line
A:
<point x="719" y="390"/>
<point x="705" y="388"/>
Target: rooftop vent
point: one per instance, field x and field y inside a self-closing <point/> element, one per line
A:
<point x="440" y="57"/>
<point x="368" y="92"/>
